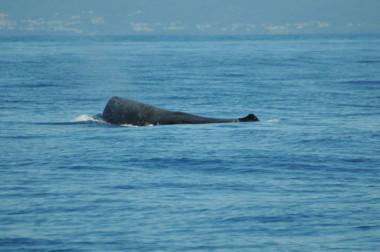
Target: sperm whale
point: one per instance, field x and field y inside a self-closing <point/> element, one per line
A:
<point x="125" y="111"/>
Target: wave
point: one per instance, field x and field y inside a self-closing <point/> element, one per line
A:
<point x="82" y="119"/>
<point x="98" y="119"/>
<point x="91" y="120"/>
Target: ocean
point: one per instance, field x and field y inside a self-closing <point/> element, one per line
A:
<point x="306" y="177"/>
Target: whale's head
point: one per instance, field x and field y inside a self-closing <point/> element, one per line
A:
<point x="249" y="118"/>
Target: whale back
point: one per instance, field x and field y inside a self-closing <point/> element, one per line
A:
<point x="124" y="111"/>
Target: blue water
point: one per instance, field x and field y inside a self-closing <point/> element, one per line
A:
<point x="304" y="178"/>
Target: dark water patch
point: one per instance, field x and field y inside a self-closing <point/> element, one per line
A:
<point x="123" y="187"/>
<point x="355" y="160"/>
<point x="365" y="228"/>
<point x="238" y="219"/>
<point x="42" y="85"/>
<point x="24" y="137"/>
<point x="362" y="82"/>
<point x="83" y="167"/>
<point x="28" y="242"/>
<point x="233" y="75"/>
<point x="255" y="170"/>
<point x="368" y="61"/>
<point x="14" y="101"/>
<point x="33" y="85"/>
<point x="23" y="194"/>
<point x="202" y="164"/>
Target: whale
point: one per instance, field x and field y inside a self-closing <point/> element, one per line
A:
<point x="121" y="111"/>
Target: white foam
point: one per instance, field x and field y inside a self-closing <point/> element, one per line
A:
<point x="276" y="120"/>
<point x="86" y="118"/>
<point x="135" y="126"/>
<point x="83" y="118"/>
<point x="129" y="125"/>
